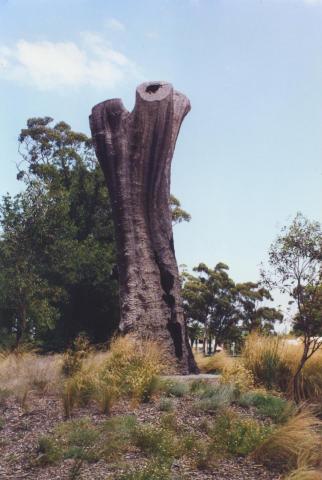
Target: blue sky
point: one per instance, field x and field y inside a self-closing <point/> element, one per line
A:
<point x="249" y="155"/>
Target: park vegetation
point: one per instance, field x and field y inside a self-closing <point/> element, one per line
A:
<point x="113" y="404"/>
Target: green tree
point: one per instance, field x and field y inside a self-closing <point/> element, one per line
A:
<point x="295" y="261"/>
<point x="211" y="298"/>
<point x="27" y="300"/>
<point x="255" y="315"/>
<point x="178" y="214"/>
<point x="73" y="243"/>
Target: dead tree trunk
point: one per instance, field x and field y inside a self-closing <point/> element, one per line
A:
<point x="135" y="152"/>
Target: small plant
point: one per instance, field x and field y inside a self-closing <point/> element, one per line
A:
<point x="48" y="450"/>
<point x="198" y="450"/>
<point x="116" y="436"/>
<point x="168" y="421"/>
<point x="74" y="357"/>
<point x="175" y="389"/>
<point x="215" y="397"/>
<point x="276" y="408"/>
<point x="232" y="434"/>
<point x="4" y="394"/>
<point x="166" y="405"/>
<point x="155" y="441"/>
<point x="2" y="423"/>
<point x="151" y="471"/>
<point x="239" y="376"/>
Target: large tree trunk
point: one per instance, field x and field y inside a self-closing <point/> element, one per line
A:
<point x="135" y="152"/>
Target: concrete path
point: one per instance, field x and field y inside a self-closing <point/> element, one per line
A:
<point x="190" y="378"/>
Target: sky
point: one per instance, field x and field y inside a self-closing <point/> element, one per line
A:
<point x="249" y="154"/>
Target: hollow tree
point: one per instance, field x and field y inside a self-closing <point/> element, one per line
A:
<point x="135" y="152"/>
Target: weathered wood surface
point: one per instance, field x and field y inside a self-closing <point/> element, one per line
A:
<point x="135" y="152"/>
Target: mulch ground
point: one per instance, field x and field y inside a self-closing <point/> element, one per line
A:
<point x="22" y="429"/>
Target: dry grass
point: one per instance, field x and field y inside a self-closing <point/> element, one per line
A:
<point x="296" y="444"/>
<point x="305" y="474"/>
<point x="23" y="373"/>
<point x="273" y="362"/>
<point x="214" y="363"/>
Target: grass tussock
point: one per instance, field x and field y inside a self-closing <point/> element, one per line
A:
<point x="214" y="397"/>
<point x="273" y="362"/>
<point x="24" y="372"/>
<point x="274" y="407"/>
<point x="214" y="363"/>
<point x="305" y="474"/>
<point x="296" y="444"/>
<point x="129" y="369"/>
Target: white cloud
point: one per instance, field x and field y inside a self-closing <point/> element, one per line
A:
<point x="115" y="24"/>
<point x="49" y="65"/>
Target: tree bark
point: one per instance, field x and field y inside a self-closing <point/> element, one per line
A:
<point x="135" y="152"/>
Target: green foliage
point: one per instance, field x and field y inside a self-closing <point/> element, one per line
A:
<point x="277" y="408"/>
<point x="211" y="298"/>
<point x="155" y="441"/>
<point x="73" y="358"/>
<point x="2" y="423"/>
<point x="295" y="262"/>
<point x="81" y="440"/>
<point x="174" y="389"/>
<point x="166" y="405"/>
<point x="4" y="394"/>
<point x="253" y="315"/>
<point x="153" y="470"/>
<point x="57" y="247"/>
<point x="235" y="435"/>
<point x="213" y="398"/>
<point x="49" y="451"/>
<point x="178" y="214"/>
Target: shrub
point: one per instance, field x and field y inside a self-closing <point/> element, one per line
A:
<point x="295" y="444"/>
<point x="198" y="450"/>
<point x="2" y="423"/>
<point x="155" y="441"/>
<point x="116" y="436"/>
<point x="74" y="439"/>
<point x="128" y="369"/>
<point x="78" y="390"/>
<point x="239" y="376"/>
<point x="168" y="421"/>
<point x="166" y="405"/>
<point x="276" y="408"/>
<point x="4" y="394"/>
<point x="132" y="367"/>
<point x="49" y="451"/>
<point x="215" y="398"/>
<point x="174" y="389"/>
<point x="150" y="471"/>
<point x="232" y="434"/>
